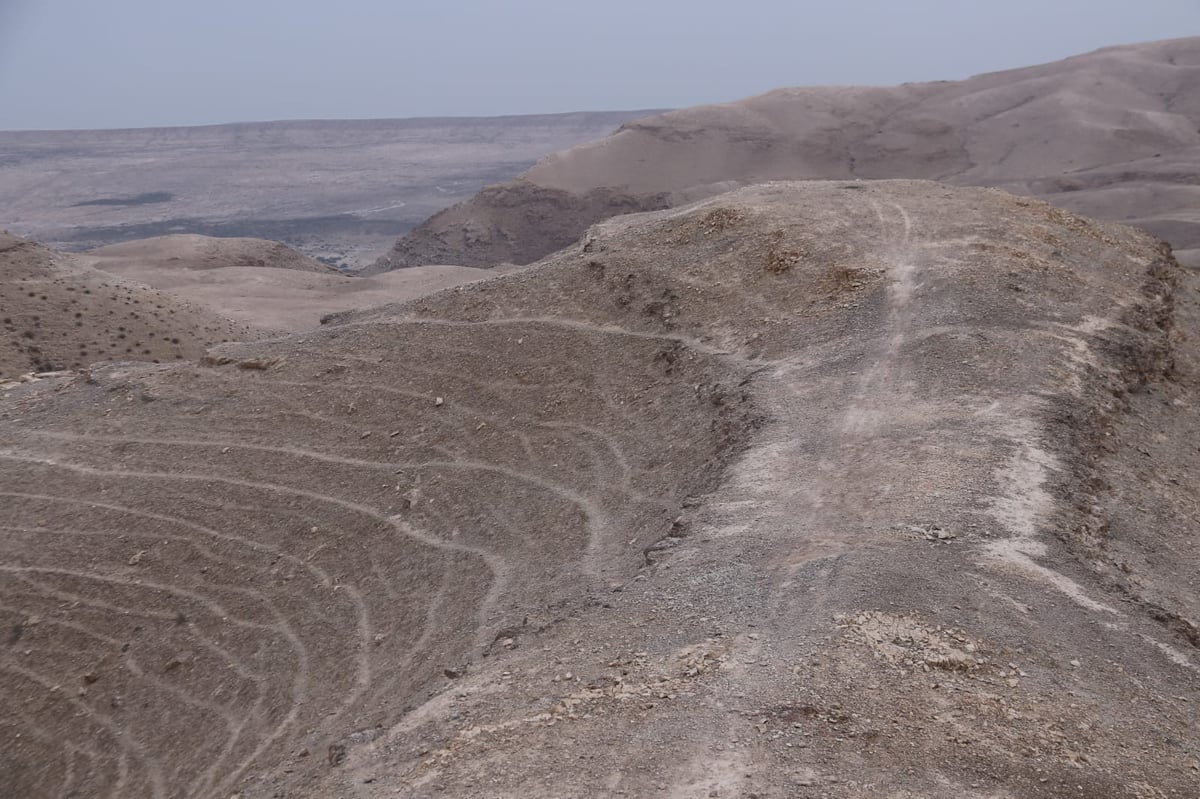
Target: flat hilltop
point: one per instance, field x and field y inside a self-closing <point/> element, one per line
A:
<point x="816" y="489"/>
<point x="1113" y="134"/>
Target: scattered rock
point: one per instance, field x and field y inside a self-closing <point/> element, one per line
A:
<point x="337" y="754"/>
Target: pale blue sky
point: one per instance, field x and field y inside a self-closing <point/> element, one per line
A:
<point x="136" y="63"/>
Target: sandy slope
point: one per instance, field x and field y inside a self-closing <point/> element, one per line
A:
<point x="59" y="313"/>
<point x="262" y="283"/>
<point x="808" y="490"/>
<point x="1113" y="134"/>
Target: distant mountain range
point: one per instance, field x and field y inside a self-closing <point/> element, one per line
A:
<point x="340" y="190"/>
<point x="1113" y="134"/>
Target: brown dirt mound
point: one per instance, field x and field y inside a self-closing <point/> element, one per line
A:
<point x="795" y="492"/>
<point x="1111" y="134"/>
<point x="58" y="314"/>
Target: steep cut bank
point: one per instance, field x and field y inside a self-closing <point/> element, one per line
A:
<point x="1111" y="134"/>
<point x="778" y="494"/>
<point x="57" y="313"/>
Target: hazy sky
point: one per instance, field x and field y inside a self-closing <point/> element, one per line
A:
<point x="136" y="63"/>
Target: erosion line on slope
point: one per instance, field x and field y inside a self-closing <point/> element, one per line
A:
<point x="300" y="685"/>
<point x="566" y="323"/>
<point x="235" y="725"/>
<point x="124" y="741"/>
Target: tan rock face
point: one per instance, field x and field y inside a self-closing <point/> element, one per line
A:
<point x="807" y="489"/>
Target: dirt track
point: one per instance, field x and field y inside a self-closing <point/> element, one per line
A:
<point x="796" y="492"/>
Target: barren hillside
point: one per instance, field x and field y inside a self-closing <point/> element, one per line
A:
<point x="56" y="313"/>
<point x="1112" y="134"/>
<point x="264" y="284"/>
<point x="808" y="490"/>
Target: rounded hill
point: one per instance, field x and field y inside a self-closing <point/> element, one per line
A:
<point x="57" y="314"/>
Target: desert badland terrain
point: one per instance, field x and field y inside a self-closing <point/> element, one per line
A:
<point x="338" y="189"/>
<point x="827" y="488"/>
<point x="57" y="314"/>
<point x="1113" y="134"/>
<point x="261" y="283"/>
<point x="811" y="489"/>
<point x="171" y="297"/>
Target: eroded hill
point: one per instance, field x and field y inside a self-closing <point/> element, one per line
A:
<point x="1111" y="134"/>
<point x="807" y="490"/>
<point x="56" y="313"/>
